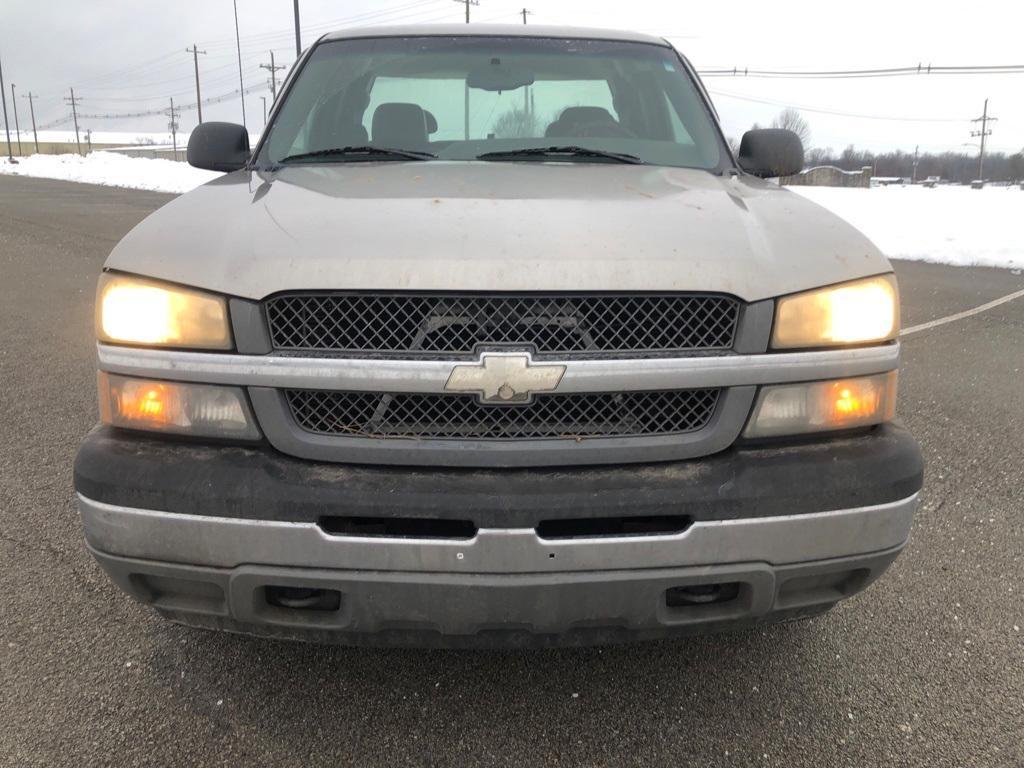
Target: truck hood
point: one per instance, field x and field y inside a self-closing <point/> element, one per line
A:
<point x="458" y="226"/>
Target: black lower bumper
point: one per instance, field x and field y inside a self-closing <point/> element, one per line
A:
<point x="492" y="611"/>
<point x="877" y="467"/>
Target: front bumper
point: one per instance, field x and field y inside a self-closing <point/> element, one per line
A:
<point x="201" y="533"/>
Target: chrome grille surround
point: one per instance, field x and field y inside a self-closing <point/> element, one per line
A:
<point x="267" y="377"/>
<point x="457" y="325"/>
<point x="464" y="417"/>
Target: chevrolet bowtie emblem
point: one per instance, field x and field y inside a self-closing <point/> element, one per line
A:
<point x="505" y="378"/>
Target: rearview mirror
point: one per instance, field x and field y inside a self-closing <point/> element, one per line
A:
<point x="770" y="152"/>
<point x="218" y="147"/>
<point x="499" y="77"/>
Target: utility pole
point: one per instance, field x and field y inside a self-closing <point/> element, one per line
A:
<point x="194" y="50"/>
<point x="17" y="128"/>
<point x="298" y="33"/>
<point x="913" y="174"/>
<point x="466" y="102"/>
<point x="241" y="82"/>
<point x="7" y="125"/>
<point x="984" y="120"/>
<point x="273" y="68"/>
<point x="525" y="91"/>
<point x="468" y="3"/>
<point x="74" y="113"/>
<point x="264" y="111"/>
<point x="32" y="112"/>
<point x="173" y="125"/>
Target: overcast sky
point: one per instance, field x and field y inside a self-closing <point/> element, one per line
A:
<point x="125" y="57"/>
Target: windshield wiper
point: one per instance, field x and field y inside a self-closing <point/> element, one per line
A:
<point x="361" y="153"/>
<point x="561" y="152"/>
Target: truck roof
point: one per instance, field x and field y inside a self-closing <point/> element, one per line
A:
<point x="493" y="30"/>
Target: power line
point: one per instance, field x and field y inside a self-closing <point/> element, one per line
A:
<point x="840" y="74"/>
<point x="837" y="113"/>
<point x="161" y="62"/>
<point x="367" y="16"/>
<point x="146" y="113"/>
<point x="121" y="72"/>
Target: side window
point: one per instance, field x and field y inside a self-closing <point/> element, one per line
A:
<point x="301" y="143"/>
<point x="679" y="133"/>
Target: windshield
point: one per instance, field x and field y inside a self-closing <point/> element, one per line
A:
<point x="459" y="98"/>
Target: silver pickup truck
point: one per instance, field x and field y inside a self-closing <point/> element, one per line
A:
<point x="492" y="340"/>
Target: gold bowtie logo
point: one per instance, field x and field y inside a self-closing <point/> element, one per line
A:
<point x="505" y="378"/>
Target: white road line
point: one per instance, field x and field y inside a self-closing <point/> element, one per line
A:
<point x="961" y="315"/>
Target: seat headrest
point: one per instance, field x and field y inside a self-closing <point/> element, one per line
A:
<point x="573" y="118"/>
<point x="399" y="126"/>
<point x="581" y="115"/>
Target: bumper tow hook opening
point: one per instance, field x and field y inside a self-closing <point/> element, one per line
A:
<point x="303" y="598"/>
<point x="398" y="527"/>
<point x="701" y="594"/>
<point x="598" y="527"/>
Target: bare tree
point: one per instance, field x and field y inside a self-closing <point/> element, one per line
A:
<point x="956" y="167"/>
<point x="517" y="123"/>
<point x="818" y="156"/>
<point x="791" y="120"/>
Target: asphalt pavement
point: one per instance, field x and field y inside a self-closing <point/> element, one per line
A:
<point x="926" y="668"/>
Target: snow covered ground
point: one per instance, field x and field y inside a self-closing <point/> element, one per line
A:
<point x="947" y="225"/>
<point x="124" y="138"/>
<point x="112" y="170"/>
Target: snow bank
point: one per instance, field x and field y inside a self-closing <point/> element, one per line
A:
<point x="945" y="225"/>
<point x="112" y="170"/>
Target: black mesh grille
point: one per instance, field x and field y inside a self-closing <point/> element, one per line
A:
<point x="360" y="414"/>
<point x="419" y="324"/>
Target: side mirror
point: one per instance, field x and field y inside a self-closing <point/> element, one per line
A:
<point x="769" y="152"/>
<point x="218" y="147"/>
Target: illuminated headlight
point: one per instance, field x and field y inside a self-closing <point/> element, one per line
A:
<point x="821" y="406"/>
<point x="860" y="312"/>
<point x="130" y="310"/>
<point x="201" y="410"/>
